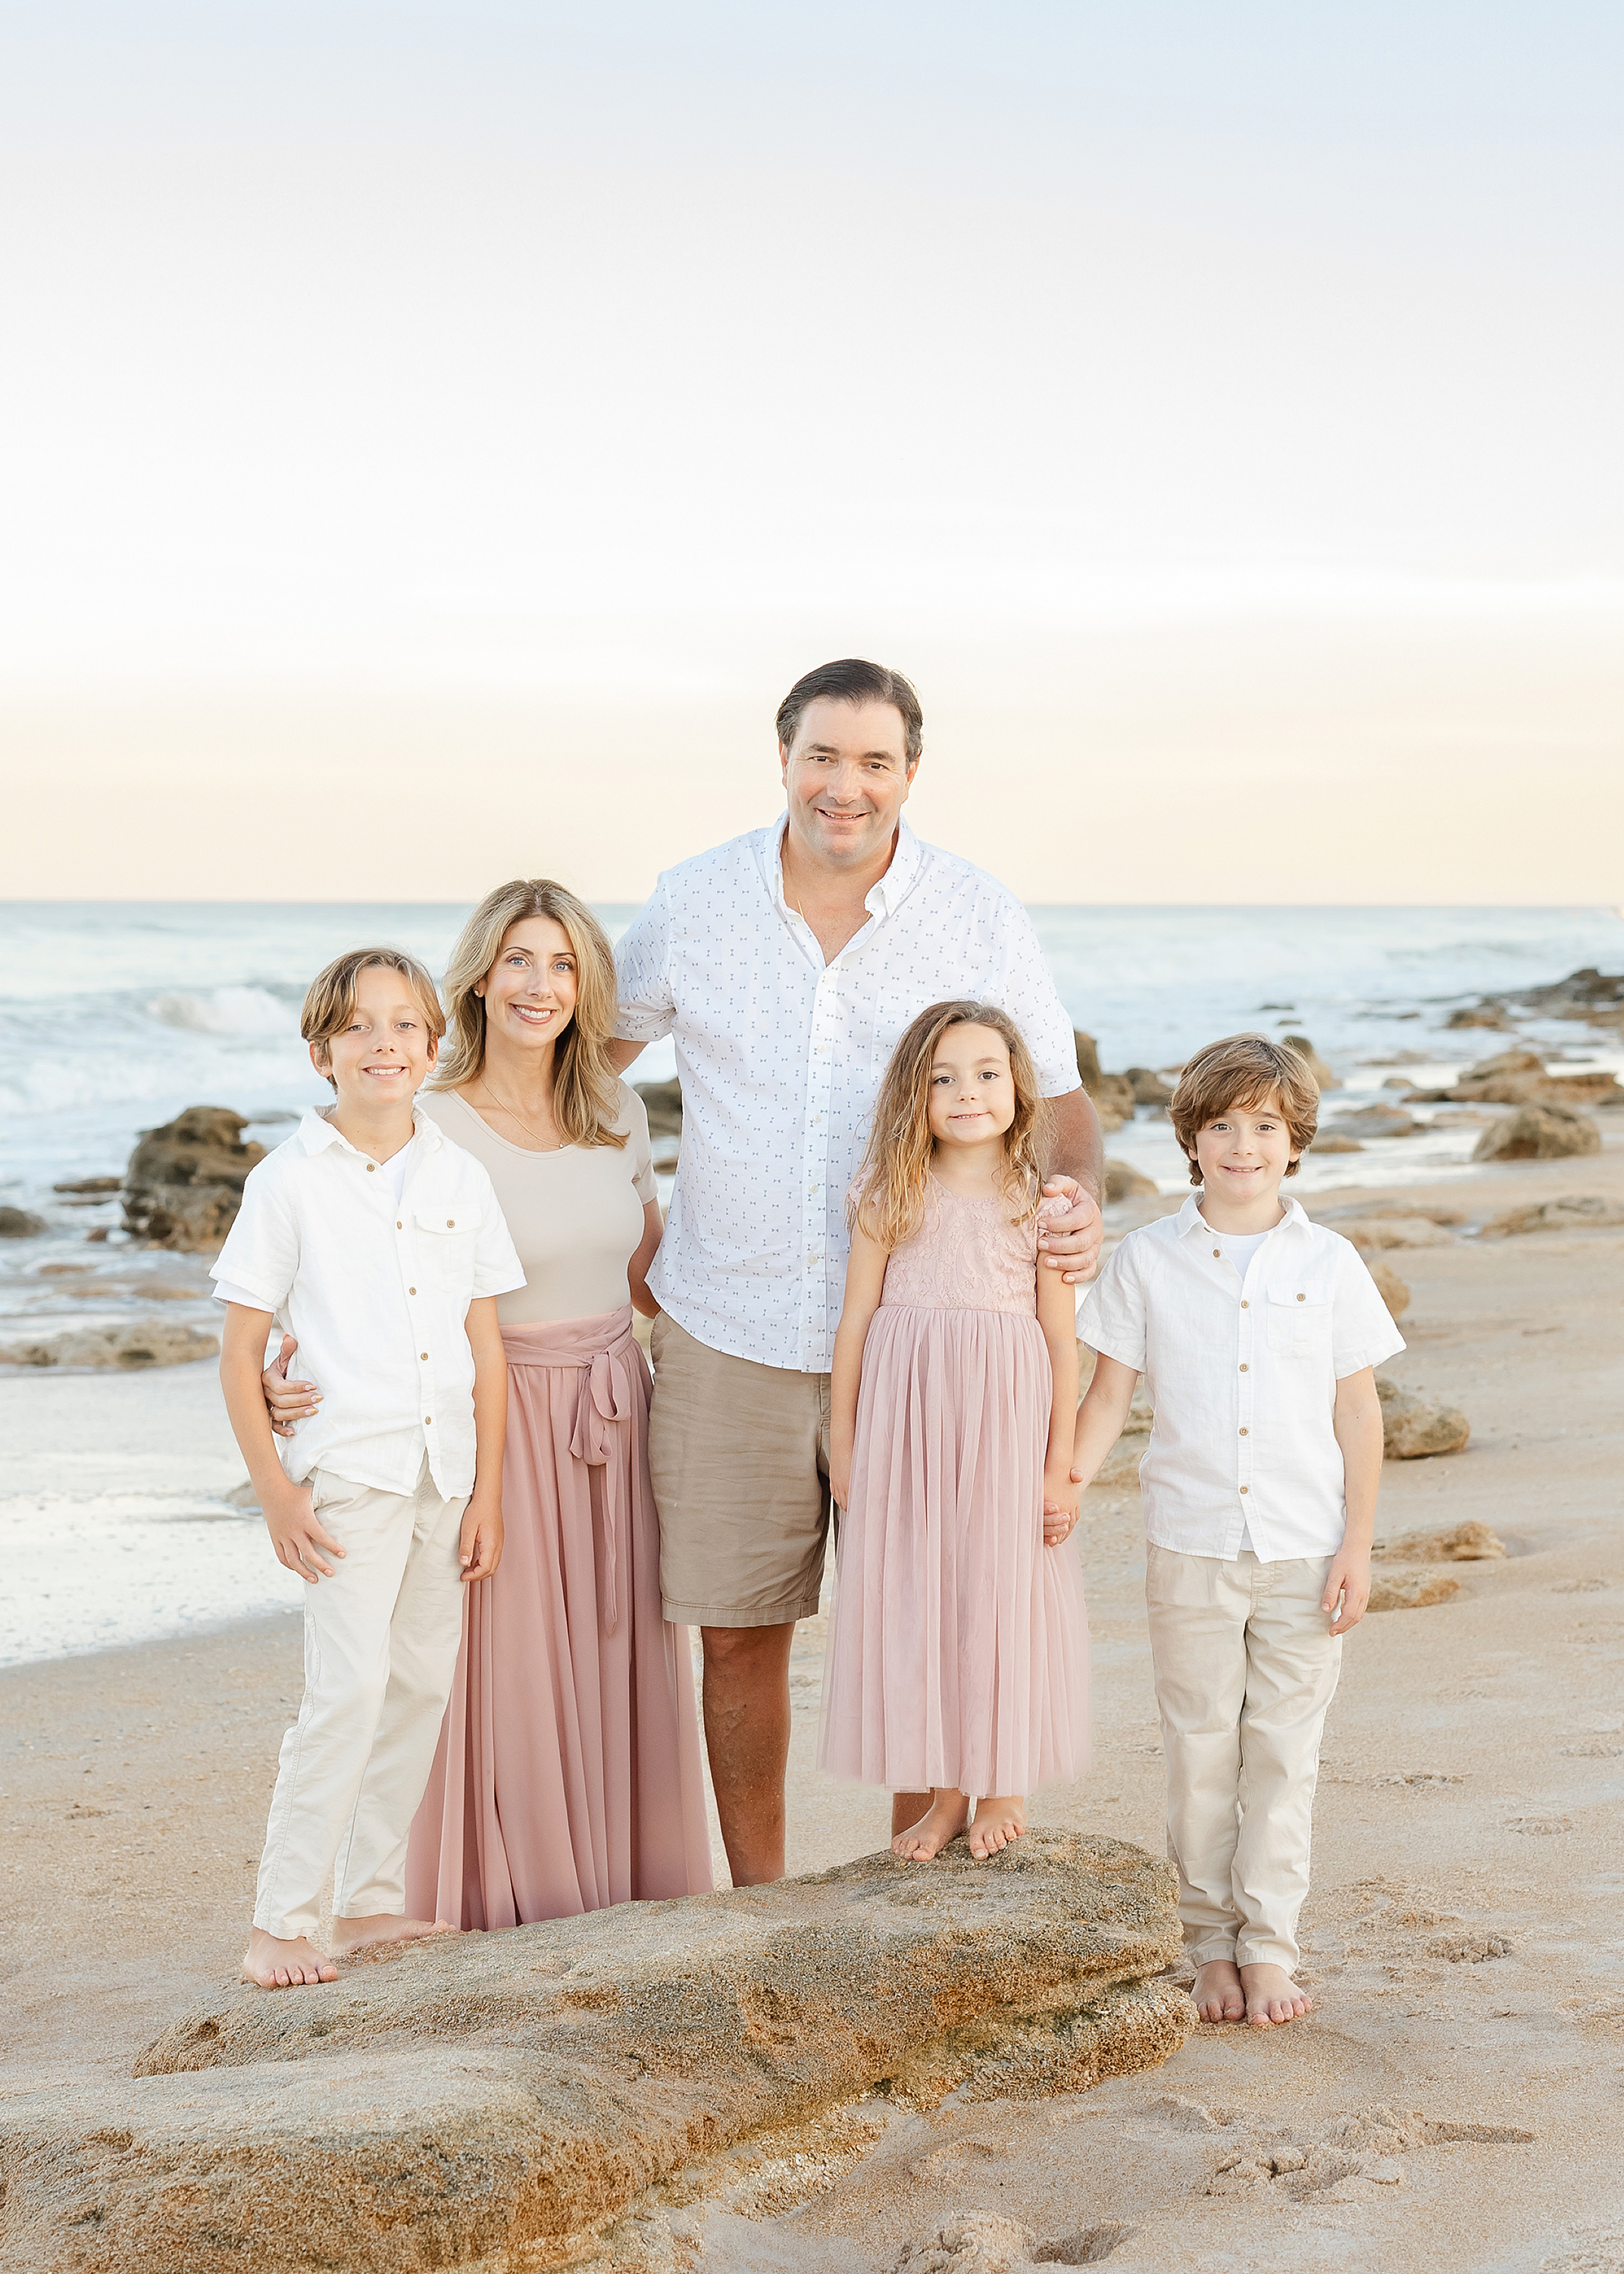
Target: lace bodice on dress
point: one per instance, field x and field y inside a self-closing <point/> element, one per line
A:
<point x="967" y="1256"/>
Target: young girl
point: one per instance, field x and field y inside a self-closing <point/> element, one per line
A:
<point x="959" y="1655"/>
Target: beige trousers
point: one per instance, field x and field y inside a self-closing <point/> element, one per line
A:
<point x="1245" y="1667"/>
<point x="380" y="1648"/>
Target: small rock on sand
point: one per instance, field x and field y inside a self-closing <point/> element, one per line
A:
<point x="1414" y="1428"/>
<point x="1410" y="1590"/>
<point x="1112" y="1094"/>
<point x="1462" y="1543"/>
<point x="1334" y="1141"/>
<point x="1149" y="1087"/>
<point x="1390" y="1287"/>
<point x="1378" y="1121"/>
<point x="145" y="1341"/>
<point x="1576" y="1212"/>
<point x="1123" y="1183"/>
<point x="20" y="1223"/>
<point x="185" y="1183"/>
<point x="1483" y="1014"/>
<point x="1317" y="1065"/>
<point x="1539" y="1132"/>
<point x="1395" y="1231"/>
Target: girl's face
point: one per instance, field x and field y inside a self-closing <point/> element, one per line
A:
<point x="972" y="1093"/>
<point x="529" y="990"/>
<point x="1244" y="1153"/>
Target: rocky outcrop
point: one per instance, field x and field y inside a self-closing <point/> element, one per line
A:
<point x="1149" y="1087"/>
<point x="664" y="1102"/>
<point x="1482" y="1014"/>
<point x="1389" y="1286"/>
<point x="20" y="1223"/>
<point x="1334" y="1141"/>
<point x="1577" y="1212"/>
<point x="1376" y="1121"/>
<point x="1112" y="1092"/>
<point x="1123" y="1183"/>
<point x="1372" y="1232"/>
<point x="1521" y="1078"/>
<point x="1539" y="1132"/>
<point x="141" y="1343"/>
<point x="1317" y="1065"/>
<point x="1410" y="1591"/>
<point x="184" y="1182"/>
<point x="505" y="2096"/>
<point x="1414" y="1428"/>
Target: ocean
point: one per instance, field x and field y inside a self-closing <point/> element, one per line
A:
<point x="113" y="1017"/>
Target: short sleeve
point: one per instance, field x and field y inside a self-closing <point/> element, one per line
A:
<point x="262" y="1252"/>
<point x="641" y="962"/>
<point x="1362" y="1330"/>
<point x="1112" y="1317"/>
<point x="496" y="1268"/>
<point x="1027" y="992"/>
<point x="639" y="1150"/>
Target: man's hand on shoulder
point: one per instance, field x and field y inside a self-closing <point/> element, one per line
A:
<point x="1069" y="1243"/>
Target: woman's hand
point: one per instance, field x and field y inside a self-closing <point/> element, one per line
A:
<point x="479" y="1547"/>
<point x="287" y="1401"/>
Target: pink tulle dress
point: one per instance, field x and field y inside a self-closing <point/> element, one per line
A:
<point x="959" y="1648"/>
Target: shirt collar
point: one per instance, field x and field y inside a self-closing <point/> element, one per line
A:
<point x="316" y="1133"/>
<point x="1189" y="1217"/>
<point x="883" y="897"/>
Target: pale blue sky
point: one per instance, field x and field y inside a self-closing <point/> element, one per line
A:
<point x="500" y="349"/>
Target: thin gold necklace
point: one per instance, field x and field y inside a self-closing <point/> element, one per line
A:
<point x="502" y="1106"/>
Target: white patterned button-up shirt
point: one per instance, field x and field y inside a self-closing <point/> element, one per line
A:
<point x="1243" y="1375"/>
<point x="781" y="1056"/>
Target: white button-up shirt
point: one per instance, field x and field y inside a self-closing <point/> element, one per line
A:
<point x="377" y="1292"/>
<point x="1243" y="1375"/>
<point x="781" y="1056"/>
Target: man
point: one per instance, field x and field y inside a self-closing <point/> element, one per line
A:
<point x="786" y="965"/>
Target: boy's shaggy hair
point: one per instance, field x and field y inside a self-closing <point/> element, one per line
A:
<point x="330" y="1000"/>
<point x="888" y="1197"/>
<point x="1244" y="1071"/>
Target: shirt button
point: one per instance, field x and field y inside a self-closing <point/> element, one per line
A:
<point x="411" y="1290"/>
<point x="1245" y="1306"/>
<point x="399" y="1226"/>
<point x="1217" y="1252"/>
<point x="371" y="1166"/>
<point x="425" y="1354"/>
<point x="1302" y="1299"/>
<point x="451" y="1226"/>
<point x="1243" y="1432"/>
<point x="1243" y="1365"/>
<point x="1243" y="1487"/>
<point x="429" y="1417"/>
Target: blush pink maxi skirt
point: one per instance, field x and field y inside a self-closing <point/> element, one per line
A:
<point x="959" y="1648"/>
<point x="567" y="1776"/>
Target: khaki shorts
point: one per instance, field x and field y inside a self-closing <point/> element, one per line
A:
<point x="740" y="1454"/>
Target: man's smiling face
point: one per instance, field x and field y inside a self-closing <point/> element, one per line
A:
<point x="846" y="776"/>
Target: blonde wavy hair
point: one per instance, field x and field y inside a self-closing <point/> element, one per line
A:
<point x="888" y="1197"/>
<point x="586" y="1102"/>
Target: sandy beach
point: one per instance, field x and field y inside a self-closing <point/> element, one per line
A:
<point x="1463" y="1950"/>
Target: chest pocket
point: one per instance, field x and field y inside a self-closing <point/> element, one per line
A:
<point x="1298" y="1329"/>
<point x="448" y="1241"/>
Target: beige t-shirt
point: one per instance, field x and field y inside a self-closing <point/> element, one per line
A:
<point x="575" y="1216"/>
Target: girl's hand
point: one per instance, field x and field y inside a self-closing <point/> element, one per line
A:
<point x="479" y="1548"/>
<point x="1058" y="1525"/>
<point x="1060" y="1505"/>
<point x="841" y="1486"/>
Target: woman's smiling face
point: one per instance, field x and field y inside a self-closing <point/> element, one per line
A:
<point x="529" y="992"/>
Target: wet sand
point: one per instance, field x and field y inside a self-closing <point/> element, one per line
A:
<point x="1462" y="1944"/>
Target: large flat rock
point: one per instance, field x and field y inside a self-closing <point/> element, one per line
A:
<point x="468" y="2099"/>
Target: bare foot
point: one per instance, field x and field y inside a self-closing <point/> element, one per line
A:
<point x="1271" y="1997"/>
<point x="1218" y="1992"/>
<point x="999" y="1819"/>
<point x="275" y="1964"/>
<point x="942" y="1820"/>
<point x="351" y="1935"/>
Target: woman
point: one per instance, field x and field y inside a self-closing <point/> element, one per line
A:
<point x="568" y="1771"/>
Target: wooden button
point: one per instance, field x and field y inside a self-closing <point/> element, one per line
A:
<point x="1243" y="1365"/>
<point x="1217" y="1251"/>
<point x="1243" y="1487"/>
<point x="411" y="1290"/>
<point x="1245" y="1306"/>
<point x="399" y="1226"/>
<point x="426" y="1419"/>
<point x="1302" y="1299"/>
<point x="425" y="1354"/>
<point x="371" y="1166"/>
<point x="451" y="1226"/>
<point x="1243" y="1432"/>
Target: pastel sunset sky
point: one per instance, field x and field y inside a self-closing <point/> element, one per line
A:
<point x="434" y="435"/>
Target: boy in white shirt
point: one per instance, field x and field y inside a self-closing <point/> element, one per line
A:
<point x="1257" y="1333"/>
<point x="379" y="1243"/>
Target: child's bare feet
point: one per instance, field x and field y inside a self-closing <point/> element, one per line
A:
<point x="1271" y="1997"/>
<point x="350" y="1935"/>
<point x="998" y="1820"/>
<point x="276" y="1964"/>
<point x="1218" y="1992"/>
<point x="942" y="1820"/>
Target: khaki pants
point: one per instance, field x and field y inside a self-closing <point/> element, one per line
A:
<point x="380" y="1648"/>
<point x="1245" y="1667"/>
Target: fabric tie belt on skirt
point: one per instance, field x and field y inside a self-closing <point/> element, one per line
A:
<point x="605" y="1352"/>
